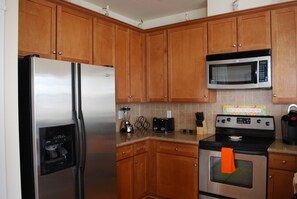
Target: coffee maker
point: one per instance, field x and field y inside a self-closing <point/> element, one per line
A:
<point x="126" y="126"/>
<point x="289" y="126"/>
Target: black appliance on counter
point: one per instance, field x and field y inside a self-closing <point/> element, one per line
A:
<point x="249" y="137"/>
<point x="163" y="124"/>
<point x="289" y="126"/>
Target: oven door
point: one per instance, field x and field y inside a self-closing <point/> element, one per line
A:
<point x="248" y="181"/>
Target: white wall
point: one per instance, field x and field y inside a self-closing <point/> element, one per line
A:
<point x="2" y="132"/>
<point x="215" y="7"/>
<point x="13" y="184"/>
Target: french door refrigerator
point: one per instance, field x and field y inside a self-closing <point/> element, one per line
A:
<point x="67" y="130"/>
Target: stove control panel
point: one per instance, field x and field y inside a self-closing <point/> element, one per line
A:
<point x="245" y="122"/>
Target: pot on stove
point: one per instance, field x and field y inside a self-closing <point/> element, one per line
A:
<point x="289" y="126"/>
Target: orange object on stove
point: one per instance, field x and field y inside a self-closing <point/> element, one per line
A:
<point x="227" y="160"/>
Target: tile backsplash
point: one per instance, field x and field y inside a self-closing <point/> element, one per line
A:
<point x="184" y="113"/>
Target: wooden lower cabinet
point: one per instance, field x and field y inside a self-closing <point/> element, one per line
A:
<point x="177" y="176"/>
<point x="280" y="175"/>
<point x="132" y="171"/>
<point x="177" y="170"/>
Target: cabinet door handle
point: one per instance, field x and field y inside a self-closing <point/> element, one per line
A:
<point x="274" y="95"/>
<point x="123" y="153"/>
<point x="270" y="177"/>
<point x="60" y="52"/>
<point x="234" y="45"/>
<point x="239" y="45"/>
<point x="284" y="161"/>
<point x="176" y="149"/>
<point x="195" y="165"/>
<point x="54" y="52"/>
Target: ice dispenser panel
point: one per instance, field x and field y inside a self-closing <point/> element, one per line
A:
<point x="57" y="148"/>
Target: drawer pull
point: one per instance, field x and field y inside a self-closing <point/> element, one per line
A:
<point x="195" y="165"/>
<point x="270" y="177"/>
<point x="123" y="153"/>
<point x="176" y="149"/>
<point x="284" y="161"/>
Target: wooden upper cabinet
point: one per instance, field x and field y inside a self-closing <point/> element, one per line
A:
<point x="122" y="64"/>
<point x="74" y="35"/>
<point x="284" y="55"/>
<point x="37" y="28"/>
<point x="187" y="48"/>
<point x="242" y="33"/>
<point x="136" y="65"/>
<point x="103" y="42"/>
<point x="254" y="31"/>
<point x="222" y="36"/>
<point x="156" y="66"/>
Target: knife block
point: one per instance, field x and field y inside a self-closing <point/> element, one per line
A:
<point x="201" y="130"/>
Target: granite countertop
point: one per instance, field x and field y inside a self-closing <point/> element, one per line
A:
<point x="279" y="147"/>
<point x="129" y="138"/>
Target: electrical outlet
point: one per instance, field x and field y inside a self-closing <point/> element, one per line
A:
<point x="168" y="114"/>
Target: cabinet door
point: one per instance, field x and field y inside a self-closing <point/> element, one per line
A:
<point x="136" y="67"/>
<point x="37" y="28"/>
<point x="177" y="176"/>
<point x="280" y="184"/>
<point x="222" y="36"/>
<point x="187" y="48"/>
<point x="74" y="35"/>
<point x="122" y="64"/>
<point x="254" y="31"/>
<point x="156" y="66"/>
<point x="104" y="42"/>
<point x="284" y="55"/>
<point x="140" y="175"/>
<point x="125" y="178"/>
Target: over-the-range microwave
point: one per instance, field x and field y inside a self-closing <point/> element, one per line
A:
<point x="240" y="70"/>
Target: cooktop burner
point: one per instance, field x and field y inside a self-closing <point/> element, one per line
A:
<point x="251" y="134"/>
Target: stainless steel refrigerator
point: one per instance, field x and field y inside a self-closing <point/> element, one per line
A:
<point x="67" y="130"/>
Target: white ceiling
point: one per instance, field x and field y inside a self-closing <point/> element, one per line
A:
<point x="149" y="9"/>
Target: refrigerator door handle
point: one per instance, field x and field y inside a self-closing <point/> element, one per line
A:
<point x="82" y="132"/>
<point x="77" y="136"/>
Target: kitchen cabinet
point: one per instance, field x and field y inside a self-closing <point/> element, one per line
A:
<point x="103" y="42"/>
<point x="280" y="175"/>
<point x="54" y="31"/>
<point x="74" y="35"/>
<point x="284" y="55"/>
<point x="177" y="170"/>
<point x="37" y="28"/>
<point x="129" y="65"/>
<point x="187" y="48"/>
<point x="242" y="33"/>
<point x="156" y="66"/>
<point x="132" y="170"/>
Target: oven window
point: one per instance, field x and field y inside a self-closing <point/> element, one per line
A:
<point x="239" y="73"/>
<point x="242" y="177"/>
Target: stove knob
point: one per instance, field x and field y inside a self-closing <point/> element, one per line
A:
<point x="267" y="123"/>
<point x="223" y="120"/>
<point x="228" y="119"/>
<point x="258" y="121"/>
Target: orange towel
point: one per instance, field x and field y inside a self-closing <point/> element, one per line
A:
<point x="227" y="160"/>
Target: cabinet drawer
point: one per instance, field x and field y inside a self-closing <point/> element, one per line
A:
<point x="124" y="152"/>
<point x="140" y="147"/>
<point x="178" y="149"/>
<point x="282" y="161"/>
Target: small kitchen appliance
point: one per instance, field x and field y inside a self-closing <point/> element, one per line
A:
<point x="163" y="124"/>
<point x="249" y="137"/>
<point x="289" y="126"/>
<point x="126" y="126"/>
<point x="240" y="70"/>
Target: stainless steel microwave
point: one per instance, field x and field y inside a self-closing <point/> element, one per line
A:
<point x="241" y="70"/>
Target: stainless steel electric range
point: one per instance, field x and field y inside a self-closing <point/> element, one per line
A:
<point x="249" y="137"/>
